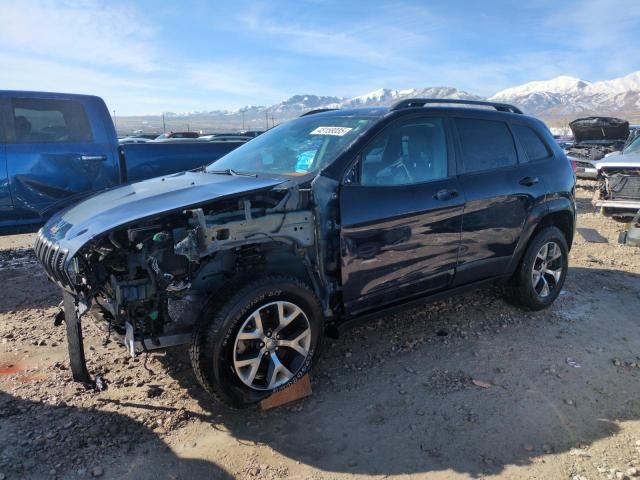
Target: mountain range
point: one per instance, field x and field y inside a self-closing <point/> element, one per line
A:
<point x="566" y="95"/>
<point x="563" y="95"/>
<point x="558" y="100"/>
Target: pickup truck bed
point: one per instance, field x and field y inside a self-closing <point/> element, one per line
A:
<point x="147" y="160"/>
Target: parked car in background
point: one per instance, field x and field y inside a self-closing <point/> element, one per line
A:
<point x="594" y="138"/>
<point x="166" y="135"/>
<point x="58" y="148"/>
<point x="225" y="137"/>
<point x="124" y="140"/>
<point x="326" y="219"/>
<point x="252" y="133"/>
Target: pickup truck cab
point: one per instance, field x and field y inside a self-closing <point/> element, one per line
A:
<point x="330" y="218"/>
<point x="57" y="148"/>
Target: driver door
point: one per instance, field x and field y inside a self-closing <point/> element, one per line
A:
<point x="401" y="216"/>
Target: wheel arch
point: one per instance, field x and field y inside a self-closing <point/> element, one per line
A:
<point x="563" y="220"/>
<point x="559" y="214"/>
<point x="243" y="264"/>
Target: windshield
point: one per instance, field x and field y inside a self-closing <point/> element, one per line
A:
<point x="298" y="147"/>
<point x="633" y="147"/>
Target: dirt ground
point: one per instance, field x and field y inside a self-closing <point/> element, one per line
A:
<point x="470" y="387"/>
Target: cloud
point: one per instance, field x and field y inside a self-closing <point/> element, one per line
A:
<point x="113" y="51"/>
<point x="162" y="58"/>
<point x="600" y="36"/>
<point x="230" y="79"/>
<point x="81" y="31"/>
<point x="384" y="36"/>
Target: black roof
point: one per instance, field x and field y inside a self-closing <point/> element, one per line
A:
<point x="414" y="104"/>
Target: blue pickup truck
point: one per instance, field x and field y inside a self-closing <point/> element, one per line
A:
<point x="56" y="149"/>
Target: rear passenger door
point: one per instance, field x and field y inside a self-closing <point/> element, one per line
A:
<point x="56" y="155"/>
<point x="495" y="211"/>
<point x="401" y="215"/>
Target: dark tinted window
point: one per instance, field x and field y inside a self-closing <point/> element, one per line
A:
<point x="413" y="151"/>
<point x="50" y="121"/>
<point x="486" y="144"/>
<point x="533" y="146"/>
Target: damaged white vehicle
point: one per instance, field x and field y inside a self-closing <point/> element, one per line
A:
<point x="618" y="190"/>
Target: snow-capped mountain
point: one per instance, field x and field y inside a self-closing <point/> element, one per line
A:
<point x="569" y="95"/>
<point x="377" y="97"/>
<point x="300" y="103"/>
<point x="381" y="97"/>
<point x="563" y="96"/>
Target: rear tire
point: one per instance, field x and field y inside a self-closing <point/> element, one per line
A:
<point x="541" y="274"/>
<point x="256" y="340"/>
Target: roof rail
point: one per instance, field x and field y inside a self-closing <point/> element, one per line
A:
<point x="421" y="102"/>
<point x="317" y="110"/>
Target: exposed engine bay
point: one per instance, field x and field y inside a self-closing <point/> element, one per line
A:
<point x="596" y="137"/>
<point x="147" y="280"/>
<point x="593" y="151"/>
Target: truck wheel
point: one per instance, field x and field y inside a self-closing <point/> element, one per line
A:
<point x="257" y="340"/>
<point x="542" y="271"/>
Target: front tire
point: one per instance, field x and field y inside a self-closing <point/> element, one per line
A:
<point x="542" y="272"/>
<point x="265" y="337"/>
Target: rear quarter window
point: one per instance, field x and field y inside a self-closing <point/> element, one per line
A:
<point x="533" y="145"/>
<point x="38" y="120"/>
<point x="486" y="144"/>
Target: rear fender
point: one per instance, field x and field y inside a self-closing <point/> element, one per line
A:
<point x="558" y="212"/>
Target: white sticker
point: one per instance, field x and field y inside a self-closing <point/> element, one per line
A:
<point x="335" y="131"/>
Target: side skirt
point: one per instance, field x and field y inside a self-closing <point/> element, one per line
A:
<point x="397" y="308"/>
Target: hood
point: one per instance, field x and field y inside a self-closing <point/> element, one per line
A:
<point x="123" y="205"/>
<point x="619" y="161"/>
<point x="599" y="128"/>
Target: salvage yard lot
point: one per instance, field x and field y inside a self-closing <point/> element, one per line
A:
<point x="469" y="387"/>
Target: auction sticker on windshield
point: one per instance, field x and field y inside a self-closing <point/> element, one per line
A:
<point x="335" y="131"/>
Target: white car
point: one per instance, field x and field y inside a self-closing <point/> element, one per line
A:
<point x="618" y="191"/>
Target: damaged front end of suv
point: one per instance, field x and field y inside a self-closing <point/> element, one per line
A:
<point x="155" y="261"/>
<point x="133" y="275"/>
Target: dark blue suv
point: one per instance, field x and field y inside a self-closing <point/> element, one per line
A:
<point x="333" y="217"/>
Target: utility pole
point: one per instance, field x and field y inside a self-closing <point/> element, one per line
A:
<point x="164" y="126"/>
<point x="115" y="122"/>
<point x="266" y="118"/>
<point x="188" y="129"/>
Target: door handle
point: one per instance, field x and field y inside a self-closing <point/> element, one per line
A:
<point x="529" y="181"/>
<point x="445" y="195"/>
<point x="93" y="158"/>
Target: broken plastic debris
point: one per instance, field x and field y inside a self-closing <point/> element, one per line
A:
<point x="480" y="383"/>
<point x="101" y="385"/>
<point x="573" y="363"/>
<point x="577" y="452"/>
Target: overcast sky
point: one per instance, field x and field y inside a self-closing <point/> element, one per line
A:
<point x="148" y="56"/>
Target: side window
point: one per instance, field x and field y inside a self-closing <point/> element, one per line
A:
<point x="50" y="121"/>
<point x="486" y="144"/>
<point x="413" y="151"/>
<point x="533" y="146"/>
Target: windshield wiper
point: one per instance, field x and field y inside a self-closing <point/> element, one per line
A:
<point x="232" y="172"/>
